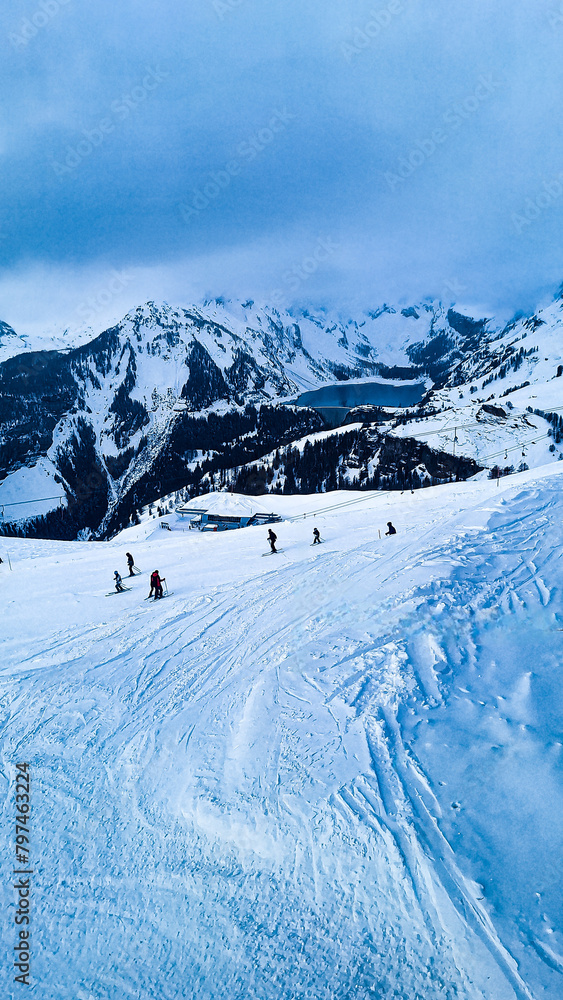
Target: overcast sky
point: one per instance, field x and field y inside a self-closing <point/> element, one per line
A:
<point x="344" y="152"/>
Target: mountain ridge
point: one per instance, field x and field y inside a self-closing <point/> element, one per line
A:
<point x="100" y="417"/>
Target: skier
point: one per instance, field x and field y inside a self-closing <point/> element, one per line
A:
<point x="118" y="585"/>
<point x="130" y="563"/>
<point x="392" y="530"/>
<point x="316" y="536"/>
<point x="156" y="585"/>
<point x="272" y="538"/>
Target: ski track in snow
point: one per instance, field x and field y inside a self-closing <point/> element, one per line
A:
<point x="292" y="787"/>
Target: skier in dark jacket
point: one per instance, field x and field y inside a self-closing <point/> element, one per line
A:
<point x="156" y="585"/>
<point x="130" y="563"/>
<point x="118" y="585"/>
<point x="390" y="529"/>
<point x="272" y="538"/>
<point x="316" y="536"/>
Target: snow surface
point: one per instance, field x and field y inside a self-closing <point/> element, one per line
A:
<point x="331" y="773"/>
<point x="36" y="481"/>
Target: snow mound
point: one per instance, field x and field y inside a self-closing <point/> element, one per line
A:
<point x="231" y="503"/>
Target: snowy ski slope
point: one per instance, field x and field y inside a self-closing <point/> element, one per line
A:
<point x="334" y="773"/>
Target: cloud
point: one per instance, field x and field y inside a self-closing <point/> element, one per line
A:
<point x="117" y="117"/>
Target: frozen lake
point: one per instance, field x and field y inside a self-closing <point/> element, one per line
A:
<point x="350" y="394"/>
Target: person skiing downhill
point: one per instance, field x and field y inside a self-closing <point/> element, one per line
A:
<point x="118" y="585"/>
<point x="130" y="563"/>
<point x="156" y="585"/>
<point x="391" y="530"/>
<point x="316" y="536"/>
<point x="272" y="538"/>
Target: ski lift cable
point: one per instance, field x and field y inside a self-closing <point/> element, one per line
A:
<point x="345" y="503"/>
<point x="380" y="493"/>
<point x="466" y="426"/>
<point x="18" y="503"/>
<point x="515" y="447"/>
<point x="444" y="430"/>
<point x="422" y="435"/>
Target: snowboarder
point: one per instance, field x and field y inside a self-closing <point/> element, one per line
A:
<point x="272" y="538"/>
<point x="118" y="585"/>
<point x="156" y="585"/>
<point x="391" y="530"/>
<point x="130" y="563"/>
<point x="316" y="536"/>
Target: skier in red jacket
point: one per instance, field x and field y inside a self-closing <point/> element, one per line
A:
<point x="156" y="585"/>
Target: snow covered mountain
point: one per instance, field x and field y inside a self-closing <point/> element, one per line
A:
<point x="10" y="343"/>
<point x="103" y="427"/>
<point x="502" y="401"/>
<point x="331" y="773"/>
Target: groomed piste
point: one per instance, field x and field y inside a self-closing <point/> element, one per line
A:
<point x="331" y="774"/>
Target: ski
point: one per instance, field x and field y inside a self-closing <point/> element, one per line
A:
<point x="151" y="598"/>
<point x="112" y="593"/>
<point x="272" y="553"/>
